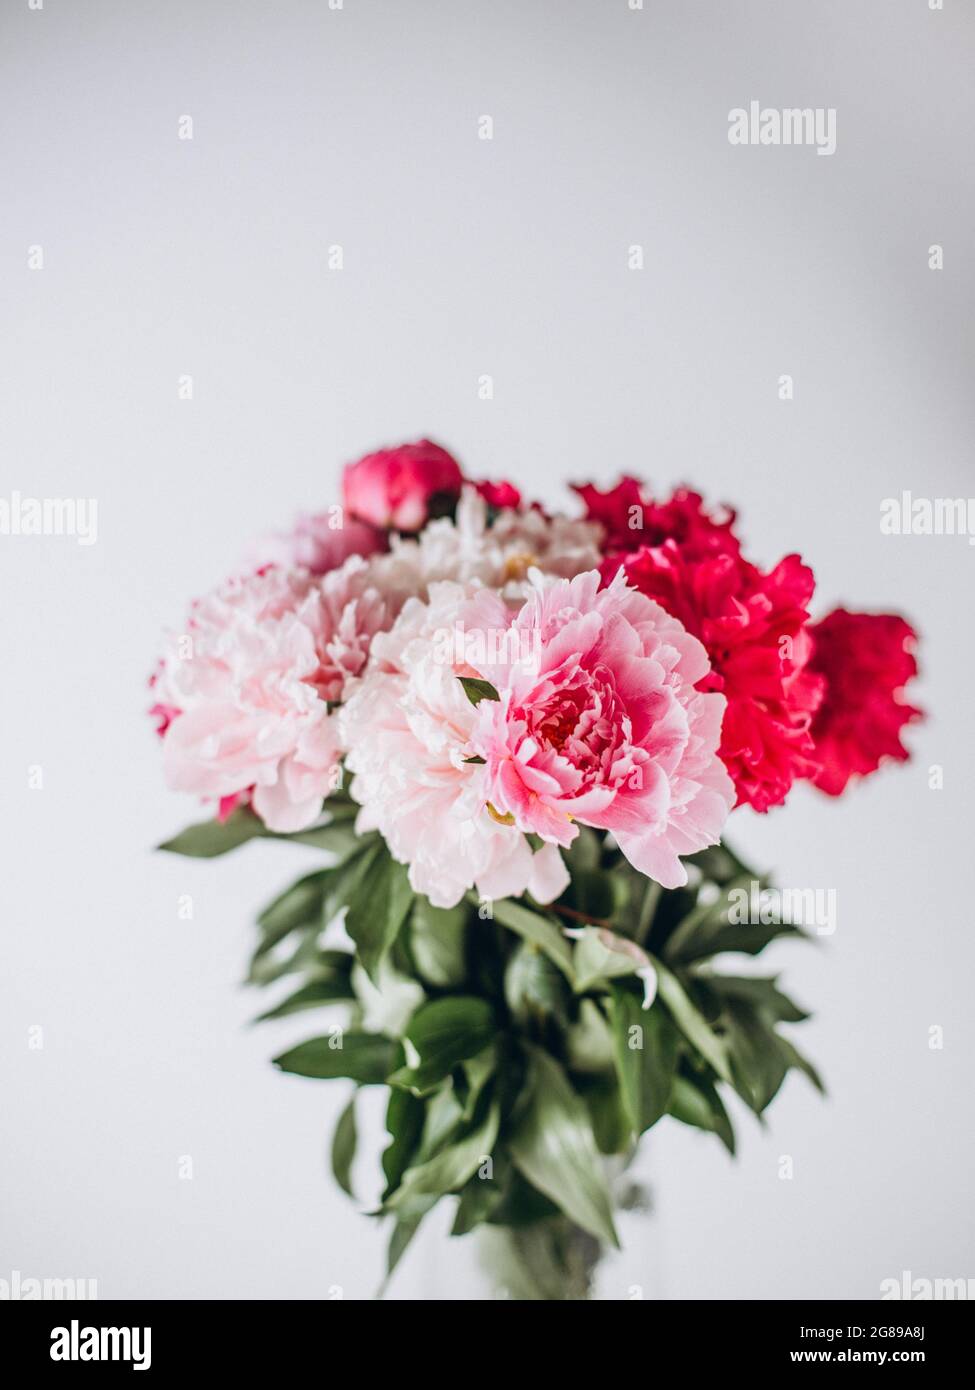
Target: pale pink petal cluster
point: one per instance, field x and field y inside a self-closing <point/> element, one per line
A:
<point x="244" y="697"/>
<point x="497" y="555"/>
<point x="599" y="722"/>
<point x="407" y="731"/>
<point x="247" y="688"/>
<point x="318" y="542"/>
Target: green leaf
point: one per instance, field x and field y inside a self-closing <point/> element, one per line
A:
<point x="749" y="939"/>
<point x="474" y="1077"/>
<point x="343" y="1147"/>
<point x="404" y="1123"/>
<point x="707" y="930"/>
<point x="367" y="1058"/>
<point x="649" y="902"/>
<point x="265" y="968"/>
<point x="540" y="931"/>
<point x="520" y="1204"/>
<point x="696" y="1102"/>
<point x="794" y="1058"/>
<point x="342" y="881"/>
<point x="443" y="1120"/>
<point x="692" y="1022"/>
<point x="443" y="1033"/>
<point x="401" y="1239"/>
<point x="478" y="1199"/>
<point x="611" y="1124"/>
<point x="298" y="906"/>
<point x="438" y="939"/>
<point x="477" y="690"/>
<point x="402" y="1235"/>
<point x="590" y="893"/>
<point x="553" y="1146"/>
<point x="535" y="990"/>
<point x="720" y="864"/>
<point x="589" y="1041"/>
<point x="326" y="990"/>
<point x="377" y="909"/>
<point x="211" y="837"/>
<point x="757" y="1064"/>
<point x="585" y="852"/>
<point x="646" y="1048"/>
<point x="691" y="938"/>
<point x="449" y="1169"/>
<point x="338" y="838"/>
<point x="601" y="955"/>
<point x="760" y="992"/>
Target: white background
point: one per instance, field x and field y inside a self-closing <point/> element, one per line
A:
<point x="463" y="257"/>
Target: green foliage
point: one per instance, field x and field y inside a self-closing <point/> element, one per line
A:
<point x="210" y="838"/>
<point x="377" y="905"/>
<point x="442" y="1034"/>
<point x="545" y="932"/>
<point x="477" y="690"/>
<point x="552" y="1145"/>
<point x="526" y="1050"/>
<point x="367" y="1058"/>
<point x="343" y="1147"/>
<point x="646" y="1047"/>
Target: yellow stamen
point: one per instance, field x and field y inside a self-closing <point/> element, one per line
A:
<point x="517" y="566"/>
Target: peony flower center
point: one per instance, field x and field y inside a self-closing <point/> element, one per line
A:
<point x="559" y="720"/>
<point x="582" y="722"/>
<point x="516" y="566"/>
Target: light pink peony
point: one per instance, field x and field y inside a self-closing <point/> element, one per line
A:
<point x="319" y="543"/>
<point x="496" y="552"/>
<point x="406" y="728"/>
<point x="599" y="721"/>
<point x="247" y="688"/>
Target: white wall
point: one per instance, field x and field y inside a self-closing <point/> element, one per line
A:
<point x="464" y="257"/>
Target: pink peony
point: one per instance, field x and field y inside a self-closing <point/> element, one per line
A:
<point x="599" y="721"/>
<point x="401" y="488"/>
<point x="319" y="543"/>
<point x="407" y="728"/>
<point x="245" y="692"/>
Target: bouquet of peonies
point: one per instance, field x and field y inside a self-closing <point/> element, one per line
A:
<point x="514" y="739"/>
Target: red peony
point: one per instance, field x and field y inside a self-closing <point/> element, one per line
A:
<point x="753" y="625"/>
<point x="499" y="495"/>
<point x="865" y="660"/>
<point x="630" y="520"/>
<point x="403" y="487"/>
